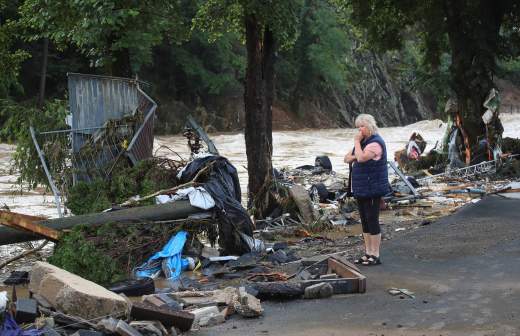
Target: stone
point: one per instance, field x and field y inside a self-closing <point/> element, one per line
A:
<point x="150" y="328"/>
<point x="123" y="329"/>
<point x="318" y="291"/>
<point x="107" y="325"/>
<point x="72" y="294"/>
<point x="202" y="316"/>
<point x="247" y="305"/>
<point x="303" y="202"/>
<point x="214" y="319"/>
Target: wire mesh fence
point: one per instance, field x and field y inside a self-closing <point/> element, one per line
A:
<point x="86" y="154"/>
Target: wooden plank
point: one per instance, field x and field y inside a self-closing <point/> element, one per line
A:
<point x="169" y="318"/>
<point x="346" y="269"/>
<point x="27" y="223"/>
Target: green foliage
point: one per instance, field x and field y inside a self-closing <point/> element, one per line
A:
<point x="218" y="17"/>
<point x="82" y="257"/>
<point x="510" y="69"/>
<point x="88" y="197"/>
<point x="146" y="177"/>
<point x="26" y="161"/>
<point x="105" y="31"/>
<point x="317" y="62"/>
<point x="210" y="69"/>
<point x="109" y="252"/>
<point x="10" y="56"/>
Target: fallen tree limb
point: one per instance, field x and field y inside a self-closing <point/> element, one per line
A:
<point x="178" y="210"/>
<point x="23" y="254"/>
<point x="191" y="183"/>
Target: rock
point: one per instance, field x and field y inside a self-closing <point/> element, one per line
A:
<point x="72" y="294"/>
<point x="248" y="305"/>
<point x="226" y="297"/>
<point x="107" y="325"/>
<point x="318" y="291"/>
<point x="123" y="329"/>
<point x="303" y="202"/>
<point x="214" y="319"/>
<point x="150" y="328"/>
<point x="202" y="316"/>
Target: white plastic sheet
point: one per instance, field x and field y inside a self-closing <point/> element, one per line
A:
<point x="198" y="197"/>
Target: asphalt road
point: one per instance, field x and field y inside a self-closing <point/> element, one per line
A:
<point x="464" y="270"/>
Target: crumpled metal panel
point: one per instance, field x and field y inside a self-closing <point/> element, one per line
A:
<point x="95" y="99"/>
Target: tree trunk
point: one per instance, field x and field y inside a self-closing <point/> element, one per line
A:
<point x="258" y="99"/>
<point x="473" y="31"/>
<point x="43" y="73"/>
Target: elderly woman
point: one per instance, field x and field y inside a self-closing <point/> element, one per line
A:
<point x="369" y="183"/>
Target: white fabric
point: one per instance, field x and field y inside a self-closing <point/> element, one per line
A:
<point x="198" y="197"/>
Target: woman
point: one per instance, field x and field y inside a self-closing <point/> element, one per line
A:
<point x="369" y="183"/>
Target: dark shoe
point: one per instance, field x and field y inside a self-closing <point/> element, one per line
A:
<point x="371" y="261"/>
<point x="362" y="259"/>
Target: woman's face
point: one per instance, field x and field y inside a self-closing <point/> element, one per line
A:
<point x="363" y="129"/>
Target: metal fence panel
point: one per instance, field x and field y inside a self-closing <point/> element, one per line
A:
<point x="95" y="99"/>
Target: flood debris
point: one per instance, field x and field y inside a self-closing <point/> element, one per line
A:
<point x="402" y="292"/>
<point x="178" y="240"/>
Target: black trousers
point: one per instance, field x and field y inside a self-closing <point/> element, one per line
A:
<point x="369" y="213"/>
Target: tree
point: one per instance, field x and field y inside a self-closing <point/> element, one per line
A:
<point x="475" y="32"/>
<point x="10" y="56"/>
<point x="266" y="26"/>
<point x="115" y="34"/>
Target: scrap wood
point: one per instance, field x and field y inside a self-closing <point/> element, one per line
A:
<point x="274" y="276"/>
<point x="27" y="223"/>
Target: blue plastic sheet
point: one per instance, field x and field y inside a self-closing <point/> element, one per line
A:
<point x="10" y="328"/>
<point x="168" y="259"/>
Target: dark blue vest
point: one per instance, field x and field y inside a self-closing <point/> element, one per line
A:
<point x="370" y="178"/>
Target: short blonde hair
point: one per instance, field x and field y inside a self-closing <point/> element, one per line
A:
<point x="368" y="121"/>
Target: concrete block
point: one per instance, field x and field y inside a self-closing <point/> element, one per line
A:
<point x="26" y="310"/>
<point x="318" y="291"/>
<point x="72" y="294"/>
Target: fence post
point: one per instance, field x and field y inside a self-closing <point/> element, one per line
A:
<point x="49" y="177"/>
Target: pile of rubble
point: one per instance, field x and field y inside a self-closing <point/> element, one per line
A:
<point x="62" y="303"/>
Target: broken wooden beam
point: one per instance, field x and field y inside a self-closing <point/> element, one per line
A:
<point x="169" y="211"/>
<point x="28" y="223"/>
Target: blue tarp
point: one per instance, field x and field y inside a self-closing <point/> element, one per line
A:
<point x="169" y="259"/>
<point x="10" y="328"/>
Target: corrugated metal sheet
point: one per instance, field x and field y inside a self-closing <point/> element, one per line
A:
<point x="95" y="99"/>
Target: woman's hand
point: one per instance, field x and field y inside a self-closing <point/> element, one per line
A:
<point x="349" y="158"/>
<point x="358" y="137"/>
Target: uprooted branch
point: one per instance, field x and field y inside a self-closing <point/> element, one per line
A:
<point x="192" y="183"/>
